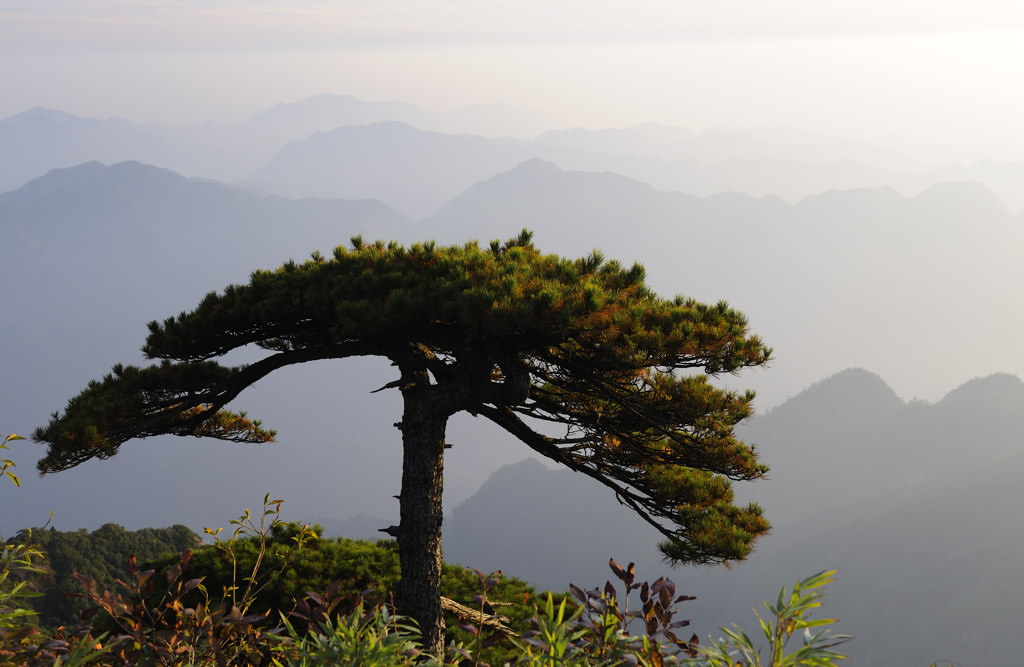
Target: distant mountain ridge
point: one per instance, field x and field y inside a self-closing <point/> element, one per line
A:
<point x="847" y="252"/>
<point x="760" y="161"/>
<point x="327" y="111"/>
<point x="982" y="391"/>
<point x="724" y="144"/>
<point x="93" y="253"/>
<point x="130" y="196"/>
<point x="919" y="523"/>
<point x="37" y="140"/>
<point x="873" y="399"/>
<point x="413" y="170"/>
<point x="37" y="113"/>
<point x="424" y="169"/>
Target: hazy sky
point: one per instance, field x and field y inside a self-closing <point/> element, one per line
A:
<point x="943" y="70"/>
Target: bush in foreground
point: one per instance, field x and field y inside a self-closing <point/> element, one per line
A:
<point x="243" y="608"/>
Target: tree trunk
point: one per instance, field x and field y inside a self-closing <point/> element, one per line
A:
<point x="419" y="530"/>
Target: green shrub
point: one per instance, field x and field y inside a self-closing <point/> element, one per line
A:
<point x="235" y="602"/>
<point x="18" y="562"/>
<point x="599" y="630"/>
<point x="369" y="639"/>
<point x="790" y="614"/>
<point x="286" y="567"/>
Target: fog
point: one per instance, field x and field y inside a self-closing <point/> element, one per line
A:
<point x="849" y="176"/>
<point x="942" y="73"/>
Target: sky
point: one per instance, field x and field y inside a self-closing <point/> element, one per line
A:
<point x="943" y="72"/>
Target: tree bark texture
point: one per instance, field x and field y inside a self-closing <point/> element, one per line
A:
<point x="419" y="530"/>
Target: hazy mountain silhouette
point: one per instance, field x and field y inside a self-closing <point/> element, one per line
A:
<point x="575" y="209"/>
<point x="759" y="161"/>
<point x="351" y="161"/>
<point x="722" y="144"/>
<point x="922" y="553"/>
<point x="293" y="120"/>
<point x="1006" y="179"/>
<point x="110" y="248"/>
<point x="999" y="391"/>
<point x="527" y="503"/>
<point x="551" y="526"/>
<point x="788" y="179"/>
<point x="850" y="399"/>
<point x="648" y="139"/>
<point x="39" y="140"/>
<point x="868" y="265"/>
<point x="92" y="254"/>
<point x="417" y="171"/>
<point x="412" y="170"/>
<point x="142" y="206"/>
<point x="320" y="113"/>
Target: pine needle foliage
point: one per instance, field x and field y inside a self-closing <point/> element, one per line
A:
<point x="532" y="342"/>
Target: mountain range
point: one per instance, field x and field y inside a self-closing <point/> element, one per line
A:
<point x="413" y="146"/>
<point x="95" y="251"/>
<point x="939" y="261"/>
<point x="914" y="503"/>
<point x="842" y="255"/>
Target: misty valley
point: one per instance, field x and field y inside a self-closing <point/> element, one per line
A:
<point x="886" y="410"/>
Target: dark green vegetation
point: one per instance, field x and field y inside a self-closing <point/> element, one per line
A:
<point x="170" y="613"/>
<point x="288" y="569"/>
<point x="101" y="554"/>
<point x="277" y="593"/>
<point x="506" y="333"/>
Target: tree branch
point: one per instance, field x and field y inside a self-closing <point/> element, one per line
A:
<point x="544" y="446"/>
<point x="220" y="396"/>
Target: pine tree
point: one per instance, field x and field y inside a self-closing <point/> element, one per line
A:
<point x="527" y="340"/>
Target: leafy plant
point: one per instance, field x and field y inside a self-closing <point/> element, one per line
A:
<point x="7" y="464"/>
<point x="158" y="629"/>
<point x="260" y="533"/>
<point x="288" y="571"/>
<point x="374" y="638"/>
<point x="598" y="630"/>
<point x="340" y="570"/>
<point x="63" y="649"/>
<point x="790" y="614"/>
<point x="173" y="620"/>
<point x="17" y="563"/>
<point x="555" y="638"/>
<point x="483" y="636"/>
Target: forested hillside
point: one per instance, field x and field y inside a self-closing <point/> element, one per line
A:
<point x="101" y="554"/>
